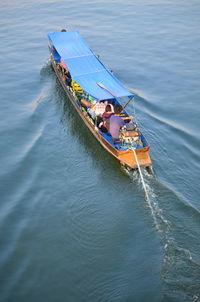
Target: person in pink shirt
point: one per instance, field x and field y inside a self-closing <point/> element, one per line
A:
<point x="94" y="109"/>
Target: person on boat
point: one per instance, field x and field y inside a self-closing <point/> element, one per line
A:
<point x="94" y="109"/>
<point x="97" y="109"/>
<point x="64" y="72"/>
<point x="112" y="104"/>
<point x="106" y="116"/>
<point x="108" y="111"/>
<point x="66" y="76"/>
<point x="116" y="122"/>
<point x="102" y="121"/>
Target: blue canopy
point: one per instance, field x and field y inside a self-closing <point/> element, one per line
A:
<point x="85" y="68"/>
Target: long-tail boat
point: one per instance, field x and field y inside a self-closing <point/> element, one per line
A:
<point x="83" y="76"/>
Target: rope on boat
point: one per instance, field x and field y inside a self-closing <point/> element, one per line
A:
<point x="141" y="176"/>
<point x="147" y="197"/>
<point x="146" y="191"/>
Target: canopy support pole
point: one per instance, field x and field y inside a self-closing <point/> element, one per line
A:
<point x="128" y="102"/>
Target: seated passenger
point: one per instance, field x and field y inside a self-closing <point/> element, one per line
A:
<point x="112" y="104"/>
<point x="108" y="111"/>
<point x="64" y="72"/>
<point x="67" y="77"/>
<point x="106" y="116"/>
<point x="102" y="121"/>
<point x="94" y="109"/>
<point x="116" y="122"/>
<point x="99" y="108"/>
<point x="86" y="104"/>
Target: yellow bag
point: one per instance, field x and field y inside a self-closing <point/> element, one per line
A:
<point x="76" y="87"/>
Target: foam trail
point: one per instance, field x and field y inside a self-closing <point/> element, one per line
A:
<point x="145" y="189"/>
<point x="36" y="102"/>
<point x="45" y="89"/>
<point x="159" y="220"/>
<point x="151" y="206"/>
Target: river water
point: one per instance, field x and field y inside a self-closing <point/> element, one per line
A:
<point x="74" y="225"/>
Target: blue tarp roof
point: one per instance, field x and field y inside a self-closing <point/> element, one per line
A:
<point x="85" y="68"/>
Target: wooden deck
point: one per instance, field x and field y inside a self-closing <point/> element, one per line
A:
<point x="127" y="158"/>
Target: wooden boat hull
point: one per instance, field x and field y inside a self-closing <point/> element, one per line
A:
<point x="126" y="158"/>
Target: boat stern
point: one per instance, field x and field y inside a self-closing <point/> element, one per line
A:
<point x="127" y="158"/>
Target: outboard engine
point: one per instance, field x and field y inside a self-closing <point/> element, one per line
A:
<point x="130" y="135"/>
